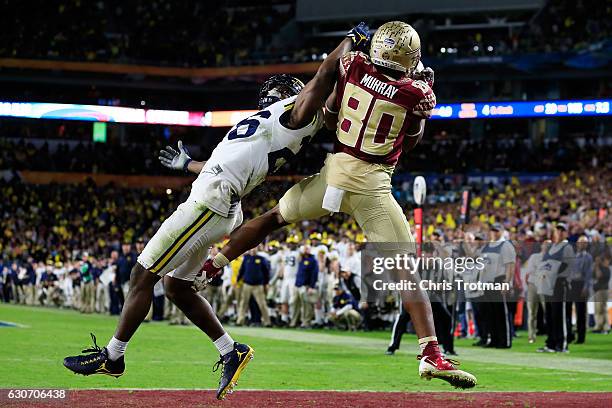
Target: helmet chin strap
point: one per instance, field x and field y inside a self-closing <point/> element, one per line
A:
<point x="388" y="64"/>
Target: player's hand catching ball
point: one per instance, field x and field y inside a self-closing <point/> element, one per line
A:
<point x="426" y="75"/>
<point x="176" y="160"/>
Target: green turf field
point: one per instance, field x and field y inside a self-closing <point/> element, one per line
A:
<point x="163" y="356"/>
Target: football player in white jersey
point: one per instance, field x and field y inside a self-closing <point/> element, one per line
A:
<point x="291" y="261"/>
<point x="276" y="258"/>
<point x="290" y="114"/>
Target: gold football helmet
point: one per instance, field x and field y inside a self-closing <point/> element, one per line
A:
<point x="396" y="45"/>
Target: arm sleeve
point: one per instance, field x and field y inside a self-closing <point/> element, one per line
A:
<point x="344" y="309"/>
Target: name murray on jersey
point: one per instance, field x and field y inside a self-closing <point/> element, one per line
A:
<point x="378" y="86"/>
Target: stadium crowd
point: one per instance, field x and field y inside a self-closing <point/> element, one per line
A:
<point x="74" y="246"/>
<point x="163" y="31"/>
<point x="171" y="33"/>
<point x="456" y="153"/>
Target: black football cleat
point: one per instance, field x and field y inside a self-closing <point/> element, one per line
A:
<point x="233" y="363"/>
<point x="96" y="362"/>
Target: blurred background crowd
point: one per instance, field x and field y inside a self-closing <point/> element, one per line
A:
<point x="246" y="33"/>
<point x="68" y="148"/>
<point x="75" y="245"/>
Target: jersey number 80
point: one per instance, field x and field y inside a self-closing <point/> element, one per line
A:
<point x="382" y="121"/>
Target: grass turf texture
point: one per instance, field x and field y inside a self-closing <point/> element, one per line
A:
<point x="163" y="356"/>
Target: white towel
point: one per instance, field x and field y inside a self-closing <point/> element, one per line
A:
<point x="332" y="199"/>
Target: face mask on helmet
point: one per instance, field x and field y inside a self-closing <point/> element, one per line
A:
<point x="278" y="87"/>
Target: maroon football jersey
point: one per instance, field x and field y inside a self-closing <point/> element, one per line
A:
<point x="375" y="110"/>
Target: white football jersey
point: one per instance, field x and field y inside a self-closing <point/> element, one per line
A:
<point x="291" y="261"/>
<point x="253" y="148"/>
<point x="276" y="260"/>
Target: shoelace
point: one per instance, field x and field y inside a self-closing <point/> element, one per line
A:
<point x="218" y="364"/>
<point x="95" y="348"/>
<point x="450" y="360"/>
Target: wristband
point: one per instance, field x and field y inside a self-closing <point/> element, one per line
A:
<point x="186" y="165"/>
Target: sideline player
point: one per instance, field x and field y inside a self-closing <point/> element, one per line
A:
<point x="290" y="114"/>
<point x="381" y="103"/>
<point x="291" y="260"/>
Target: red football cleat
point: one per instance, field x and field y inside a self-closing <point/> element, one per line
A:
<point x="436" y="366"/>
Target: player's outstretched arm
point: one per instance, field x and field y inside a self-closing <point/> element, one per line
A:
<point x="179" y="160"/>
<point x="312" y="97"/>
<point x="331" y="111"/>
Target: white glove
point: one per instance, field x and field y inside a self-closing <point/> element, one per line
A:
<point x="173" y="159"/>
<point x="200" y="282"/>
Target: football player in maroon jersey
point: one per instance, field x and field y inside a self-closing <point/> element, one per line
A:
<point x="379" y="107"/>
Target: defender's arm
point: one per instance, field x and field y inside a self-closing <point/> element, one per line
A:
<point x="312" y="97"/>
<point x="179" y="160"/>
<point x="331" y="111"/>
<point x="195" y="166"/>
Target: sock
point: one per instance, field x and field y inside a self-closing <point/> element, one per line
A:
<point x="116" y="348"/>
<point x="224" y="344"/>
<point x="285" y="317"/>
<point x="429" y="345"/>
<point x="219" y="261"/>
<point x="318" y="316"/>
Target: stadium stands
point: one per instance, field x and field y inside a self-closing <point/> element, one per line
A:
<point x="455" y="153"/>
<point x="244" y="33"/>
<point x="53" y="227"/>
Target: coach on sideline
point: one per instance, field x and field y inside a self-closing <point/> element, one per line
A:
<point x="255" y="272"/>
<point x="581" y="282"/>
<point x="306" y="283"/>
<point x="500" y="260"/>
<point x="555" y="268"/>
